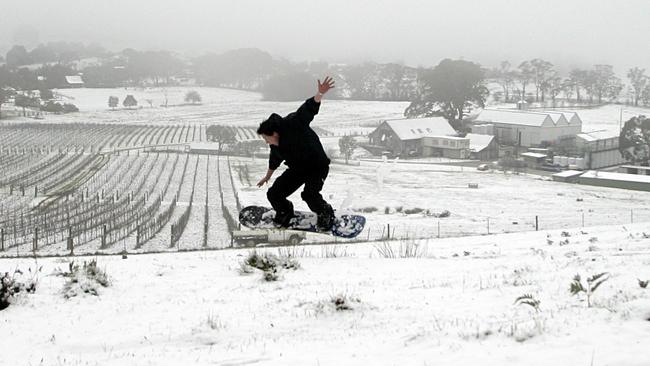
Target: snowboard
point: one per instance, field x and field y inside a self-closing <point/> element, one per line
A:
<point x="259" y="217"/>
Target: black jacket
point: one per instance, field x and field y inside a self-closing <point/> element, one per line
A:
<point x="299" y="146"/>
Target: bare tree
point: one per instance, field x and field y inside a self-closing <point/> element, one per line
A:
<point x="638" y="79"/>
<point x="504" y="76"/>
<point x="542" y="70"/>
<point x="524" y="75"/>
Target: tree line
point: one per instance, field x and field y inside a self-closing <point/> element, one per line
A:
<point x="536" y="80"/>
<point x="595" y="85"/>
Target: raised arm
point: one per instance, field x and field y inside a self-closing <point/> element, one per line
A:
<point x="323" y="88"/>
<point x="310" y="107"/>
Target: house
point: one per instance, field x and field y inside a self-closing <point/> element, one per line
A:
<point x="404" y="137"/>
<point x="424" y="137"/>
<point x="74" y="81"/>
<point x="482" y="147"/>
<point x="600" y="149"/>
<point x="528" y="129"/>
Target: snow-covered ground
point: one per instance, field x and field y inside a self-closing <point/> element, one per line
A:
<point x="452" y="304"/>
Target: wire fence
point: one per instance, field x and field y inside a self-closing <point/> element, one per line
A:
<point x="410" y="227"/>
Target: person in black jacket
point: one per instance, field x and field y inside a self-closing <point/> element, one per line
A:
<point x="292" y="140"/>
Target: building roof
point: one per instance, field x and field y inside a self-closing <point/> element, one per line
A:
<point x="478" y="143"/>
<point x="557" y="117"/>
<point x="416" y="128"/>
<point x="568" y="173"/>
<point x="623" y="177"/>
<point x="572" y="117"/>
<point x="533" y="155"/>
<point x="74" y="79"/>
<point x="597" y="135"/>
<point x="515" y="117"/>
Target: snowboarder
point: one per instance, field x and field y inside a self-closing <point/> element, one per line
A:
<point x="292" y="140"/>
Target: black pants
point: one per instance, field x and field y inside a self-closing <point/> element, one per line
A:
<point x="290" y="181"/>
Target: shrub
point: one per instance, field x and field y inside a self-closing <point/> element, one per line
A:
<point x="412" y="211"/>
<point x="369" y="209"/>
<point x="343" y="302"/>
<point x="70" y="108"/>
<point x="12" y="285"/>
<point x="86" y="279"/>
<point x="444" y="213"/>
<point x="593" y="283"/>
<point x="269" y="264"/>
<point x="52" y="107"/>
<point x="528" y="299"/>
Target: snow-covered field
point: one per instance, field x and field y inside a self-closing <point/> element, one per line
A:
<point x="219" y="106"/>
<point x="452" y="304"/>
<point x="451" y="301"/>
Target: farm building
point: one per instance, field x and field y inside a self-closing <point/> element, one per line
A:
<point x="634" y="169"/>
<point x="567" y="176"/>
<point x="616" y="180"/>
<point x="429" y="137"/>
<point x="600" y="149"/>
<point x="482" y="147"/>
<point x="404" y="137"/>
<point x="525" y="128"/>
<point x="533" y="159"/>
<point x="74" y="81"/>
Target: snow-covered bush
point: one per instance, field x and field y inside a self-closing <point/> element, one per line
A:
<point x="85" y="279"/>
<point x="11" y="285"/>
<point x="269" y="264"/>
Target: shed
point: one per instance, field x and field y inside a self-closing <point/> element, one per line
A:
<point x="616" y="180"/>
<point x="567" y="176"/>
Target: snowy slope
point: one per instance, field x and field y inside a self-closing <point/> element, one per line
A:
<point x="453" y="305"/>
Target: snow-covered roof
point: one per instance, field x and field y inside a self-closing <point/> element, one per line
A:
<point x="568" y="173"/>
<point x="74" y="79"/>
<point x="478" y="142"/>
<point x="416" y="128"/>
<point x="597" y="135"/>
<point x="623" y="177"/>
<point x="573" y="118"/>
<point x="515" y="117"/>
<point x="533" y="155"/>
<point x="557" y="117"/>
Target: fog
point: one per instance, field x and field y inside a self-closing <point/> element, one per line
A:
<point x="413" y="32"/>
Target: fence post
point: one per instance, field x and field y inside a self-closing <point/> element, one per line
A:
<point x="583" y="219"/>
<point x="2" y="239"/>
<point x="536" y="223"/>
<point x="632" y="216"/>
<point x="70" y="242"/>
<point x="388" y="233"/>
<point x="35" y="244"/>
<point x="104" y="236"/>
<point x="438" y="228"/>
<point x="488" y="225"/>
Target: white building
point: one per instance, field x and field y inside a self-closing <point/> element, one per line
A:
<point x="600" y="149"/>
<point x="528" y="129"/>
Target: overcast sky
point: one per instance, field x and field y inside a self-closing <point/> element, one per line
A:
<point x="413" y="32"/>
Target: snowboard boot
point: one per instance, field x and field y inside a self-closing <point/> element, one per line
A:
<point x="325" y="218"/>
<point x="283" y="219"/>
